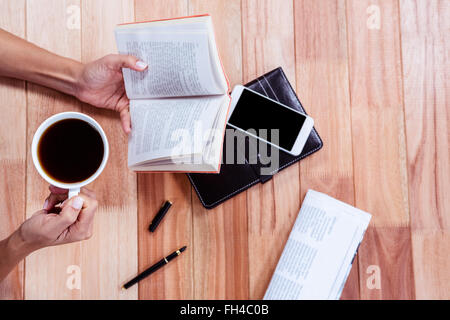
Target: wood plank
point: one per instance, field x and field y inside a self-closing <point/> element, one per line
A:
<point x="176" y="282"/>
<point x="12" y="149"/>
<point x="268" y="42"/>
<point x="109" y="258"/>
<point x="322" y="85"/>
<point x="379" y="144"/>
<point x="220" y="247"/>
<point x="431" y="260"/>
<point x="425" y="48"/>
<point x="46" y="269"/>
<point x="425" y="53"/>
<point x="220" y="235"/>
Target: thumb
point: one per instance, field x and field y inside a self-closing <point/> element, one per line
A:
<point x="118" y="61"/>
<point x="70" y="212"/>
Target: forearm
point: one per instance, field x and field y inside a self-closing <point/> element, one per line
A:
<point x="12" y="250"/>
<point x="23" y="60"/>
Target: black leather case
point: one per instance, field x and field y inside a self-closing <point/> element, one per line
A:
<point x="213" y="189"/>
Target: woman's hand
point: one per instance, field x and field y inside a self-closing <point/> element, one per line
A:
<point x="73" y="223"/>
<point x="47" y="228"/>
<point x="101" y="84"/>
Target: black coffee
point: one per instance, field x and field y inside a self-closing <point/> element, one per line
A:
<point x="70" y="150"/>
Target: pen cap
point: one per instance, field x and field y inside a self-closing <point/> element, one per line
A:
<point x="160" y="215"/>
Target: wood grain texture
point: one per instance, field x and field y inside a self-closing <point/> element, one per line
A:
<point x="379" y="144"/>
<point x="426" y="61"/>
<point x="431" y="259"/>
<point x="377" y="113"/>
<point x="176" y="282"/>
<point x="380" y="100"/>
<point x="46" y="269"/>
<point x="268" y="42"/>
<point x="12" y="150"/>
<point x="323" y="87"/>
<point x="109" y="258"/>
<point x="220" y="235"/>
<point x="146" y="10"/>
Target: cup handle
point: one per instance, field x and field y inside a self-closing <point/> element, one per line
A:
<point x="73" y="192"/>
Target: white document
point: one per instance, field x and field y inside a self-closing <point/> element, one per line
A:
<point x="318" y="255"/>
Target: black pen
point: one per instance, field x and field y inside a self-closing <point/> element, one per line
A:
<point x="153" y="268"/>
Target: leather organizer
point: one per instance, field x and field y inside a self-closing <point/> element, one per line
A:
<point x="213" y="189"/>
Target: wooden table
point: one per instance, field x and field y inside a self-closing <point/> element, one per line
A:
<point x="374" y="74"/>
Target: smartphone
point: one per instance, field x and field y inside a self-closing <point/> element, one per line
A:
<point x="251" y="110"/>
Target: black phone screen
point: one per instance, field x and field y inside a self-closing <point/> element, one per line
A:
<point x="253" y="111"/>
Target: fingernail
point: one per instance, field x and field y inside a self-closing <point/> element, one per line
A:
<point x="141" y="65"/>
<point x="45" y="204"/>
<point x="77" y="203"/>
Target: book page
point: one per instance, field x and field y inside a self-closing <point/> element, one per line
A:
<point x="214" y="144"/>
<point x="179" y="64"/>
<point x="185" y="25"/>
<point x="170" y="128"/>
<point x="319" y="253"/>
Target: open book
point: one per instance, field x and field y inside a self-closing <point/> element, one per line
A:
<point x="318" y="255"/>
<point x="179" y="105"/>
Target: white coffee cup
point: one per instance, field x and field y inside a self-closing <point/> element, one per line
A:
<point x="74" y="188"/>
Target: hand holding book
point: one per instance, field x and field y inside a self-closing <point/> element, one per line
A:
<point x="186" y="88"/>
<point x="101" y="84"/>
